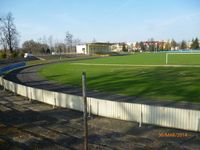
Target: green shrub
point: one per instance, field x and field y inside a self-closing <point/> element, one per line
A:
<point x="3" y="55"/>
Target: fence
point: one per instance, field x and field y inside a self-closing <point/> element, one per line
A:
<point x="162" y="116"/>
<point x="181" y="51"/>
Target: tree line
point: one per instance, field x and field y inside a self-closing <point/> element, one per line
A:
<point x="169" y="45"/>
<point x="49" y="45"/>
<point x="9" y="41"/>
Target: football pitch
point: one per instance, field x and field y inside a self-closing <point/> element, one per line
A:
<point x="143" y="75"/>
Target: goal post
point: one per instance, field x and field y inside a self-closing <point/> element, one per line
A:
<point x="168" y="54"/>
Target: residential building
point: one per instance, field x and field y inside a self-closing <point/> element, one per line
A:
<point x="189" y="44"/>
<point x="116" y="47"/>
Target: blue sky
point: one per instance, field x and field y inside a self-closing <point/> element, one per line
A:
<point x="105" y="20"/>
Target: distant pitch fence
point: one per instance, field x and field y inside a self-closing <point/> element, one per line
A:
<point x="149" y="114"/>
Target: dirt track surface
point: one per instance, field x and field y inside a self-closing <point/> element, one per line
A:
<point x="33" y="125"/>
<point x="29" y="76"/>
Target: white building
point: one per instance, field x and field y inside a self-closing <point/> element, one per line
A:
<point x="81" y="49"/>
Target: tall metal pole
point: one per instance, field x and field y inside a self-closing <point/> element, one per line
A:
<point x="85" y="111"/>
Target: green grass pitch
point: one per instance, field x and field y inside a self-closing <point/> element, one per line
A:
<point x="151" y="82"/>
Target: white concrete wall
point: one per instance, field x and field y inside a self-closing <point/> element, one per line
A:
<point x="81" y="49"/>
<point x="162" y="116"/>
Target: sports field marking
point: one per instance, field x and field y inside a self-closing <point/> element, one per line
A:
<point x="129" y="65"/>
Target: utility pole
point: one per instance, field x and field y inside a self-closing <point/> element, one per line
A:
<point x="85" y="111"/>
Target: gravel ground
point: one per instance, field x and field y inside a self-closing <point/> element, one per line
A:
<point x="34" y="125"/>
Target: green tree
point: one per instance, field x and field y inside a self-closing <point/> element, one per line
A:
<point x="152" y="47"/>
<point x="183" y="45"/>
<point x="143" y="47"/>
<point x="124" y="48"/>
<point x="173" y="44"/>
<point x="195" y="44"/>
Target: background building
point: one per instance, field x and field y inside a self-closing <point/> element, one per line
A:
<point x="93" y="48"/>
<point x="116" y="47"/>
<point x="81" y="49"/>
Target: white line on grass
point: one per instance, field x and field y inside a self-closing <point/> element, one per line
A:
<point x="130" y="65"/>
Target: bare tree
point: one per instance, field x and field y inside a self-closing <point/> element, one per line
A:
<point x="94" y="40"/>
<point x="3" y="42"/>
<point x="2" y="38"/>
<point x="69" y="41"/>
<point x="76" y="42"/>
<point x="60" y="48"/>
<point x="44" y="40"/>
<point x="35" y="47"/>
<point x="9" y="34"/>
<point x="50" y="42"/>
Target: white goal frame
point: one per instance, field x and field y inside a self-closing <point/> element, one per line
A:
<point x="167" y="56"/>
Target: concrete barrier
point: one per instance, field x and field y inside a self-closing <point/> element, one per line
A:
<point x="162" y="116"/>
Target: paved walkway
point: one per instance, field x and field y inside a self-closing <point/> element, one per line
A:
<point x="33" y="125"/>
<point x="29" y="76"/>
